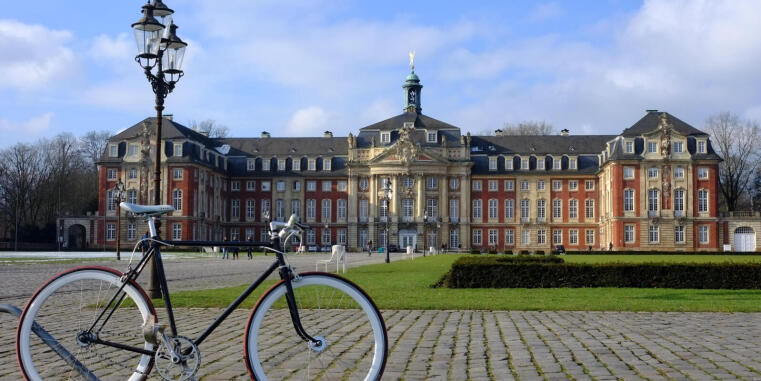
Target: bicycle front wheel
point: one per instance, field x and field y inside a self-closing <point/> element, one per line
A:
<point x="65" y="308"/>
<point x="335" y="311"/>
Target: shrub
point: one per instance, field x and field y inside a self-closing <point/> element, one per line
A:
<point x="475" y="251"/>
<point x="507" y="252"/>
<point x="524" y="252"/>
<point x="654" y="252"/>
<point x="549" y="272"/>
<point x="539" y="252"/>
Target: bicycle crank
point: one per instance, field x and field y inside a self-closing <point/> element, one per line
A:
<point x="177" y="358"/>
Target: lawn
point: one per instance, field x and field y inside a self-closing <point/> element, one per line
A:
<point x="407" y="285"/>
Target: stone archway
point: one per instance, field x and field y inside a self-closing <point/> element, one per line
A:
<point x="77" y="237"/>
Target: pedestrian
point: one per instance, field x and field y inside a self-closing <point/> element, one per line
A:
<point x="225" y="254"/>
<point x="250" y="239"/>
<point x="610" y="246"/>
<point x="443" y="247"/>
<point x="369" y="247"/>
<point x="235" y="250"/>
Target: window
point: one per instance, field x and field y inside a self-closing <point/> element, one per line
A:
<point x="493" y="185"/>
<point x="540" y="162"/>
<point x="557" y="237"/>
<point x="110" y="200"/>
<point x="541" y="236"/>
<point x="311" y="206"/>
<point x="629" y="147"/>
<point x="311" y="237"/>
<point x="573" y="237"/>
<point x="341" y="236"/>
<point x="476" y="185"/>
<point x="131" y="232"/>
<point x="265" y="206"/>
<point x="110" y="232"/>
<point x="702" y="200"/>
<point x="250" y="164"/>
<point x="326" y="209"/>
<point x="433" y="182"/>
<point x="363" y="238"/>
<point x="178" y="149"/>
<point x="509" y="237"/>
<point x="341" y="186"/>
<point x="363" y="210"/>
<point x="573" y="185"/>
<point x="383" y="208"/>
<point x="557" y="185"/>
<point x="652" y="172"/>
<point x="678" y="173"/>
<point x="493" y="234"/>
<point x="590" y="237"/>
<point x="701" y="146"/>
<point x="628" y="173"/>
<point x="235" y="208"/>
<point x="235" y="186"/>
<point x="652" y="201"/>
<point x="509" y="209"/>
<point x="703" y="233"/>
<point x="111" y="174"/>
<point x="589" y="207"/>
<point x="702" y="173"/>
<point x="557" y="208"/>
<point x="524" y="163"/>
<point x="477" y="237"/>
<point x="454" y="238"/>
<point x="679" y="202"/>
<point x="408" y="182"/>
<point x="251" y="185"/>
<point x="177" y="199"/>
<point x="524" y="185"/>
<point x="556" y="163"/>
<point x="653" y="234"/>
<point x="572" y="163"/>
<point x="296" y="164"/>
<point x="432" y="137"/>
<point x="266" y="164"/>
<point x="311" y="186"/>
<point x="132" y="173"/>
<point x="509" y="163"/>
<point x="652" y="147"/>
<point x="132" y="150"/>
<point x="678" y="234"/>
<point x="524" y="209"/>
<point x="432" y="208"/>
<point x="132" y="196"/>
<point x="678" y="147"/>
<point x="509" y="185"/>
<point x="540" y="185"/>
<point x="628" y="200"/>
<point x="477" y="209"/>
<point x="297" y="185"/>
<point x="327" y="164"/>
<point x="454" y="183"/>
<point x="341" y="209"/>
<point x="279" y="210"/>
<point x="327" y="185"/>
<point x="629" y="233"/>
<point x="573" y="209"/>
<point x="113" y="150"/>
<point x="363" y="183"/>
<point x="266" y="186"/>
<point x="454" y="209"/>
<point x="492" y="163"/>
<point x="312" y="164"/>
<point x="281" y="164"/>
<point x="385" y="137"/>
<point x="493" y="209"/>
<point x="326" y="236"/>
<point x="250" y="208"/>
<point x="589" y="185"/>
<point x="525" y="238"/>
<point x="541" y="209"/>
<point x="176" y="232"/>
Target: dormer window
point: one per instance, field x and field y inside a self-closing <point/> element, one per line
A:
<point x="326" y="164"/>
<point x="132" y="150"/>
<point x="296" y="164"/>
<point x="701" y="146"/>
<point x="540" y="163"/>
<point x="678" y="147"/>
<point x="281" y="165"/>
<point x="492" y="163"/>
<point x="572" y="163"/>
<point x="113" y="150"/>
<point x="652" y="147"/>
<point x="524" y="163"/>
<point x="265" y="164"/>
<point x="177" y="149"/>
<point x="432" y="137"/>
<point x="509" y="163"/>
<point x="385" y="137"/>
<point x="312" y="164"/>
<point x="251" y="164"/>
<point x="629" y="147"/>
<point x="556" y="163"/>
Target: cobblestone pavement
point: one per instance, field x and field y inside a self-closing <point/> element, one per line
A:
<point x="475" y="345"/>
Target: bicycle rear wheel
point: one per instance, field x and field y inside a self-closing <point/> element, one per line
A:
<point x="66" y="306"/>
<point x="331" y="309"/>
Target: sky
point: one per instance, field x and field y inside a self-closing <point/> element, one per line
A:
<point x="298" y="68"/>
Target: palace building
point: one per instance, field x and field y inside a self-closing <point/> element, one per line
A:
<point x="654" y="186"/>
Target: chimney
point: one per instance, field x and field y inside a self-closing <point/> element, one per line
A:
<point x="328" y="134"/>
<point x="169" y="116"/>
<point x="265" y="134"/>
<point x="651" y="111"/>
<point x="565" y="132"/>
<point x="497" y="132"/>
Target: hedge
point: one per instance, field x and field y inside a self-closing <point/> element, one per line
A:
<point x="502" y="272"/>
<point x="655" y="252"/>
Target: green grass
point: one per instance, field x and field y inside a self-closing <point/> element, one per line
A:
<point x="407" y="285"/>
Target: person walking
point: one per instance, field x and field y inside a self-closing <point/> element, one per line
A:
<point x="235" y="250"/>
<point x="369" y="247"/>
<point x="225" y="254"/>
<point x="250" y="239"/>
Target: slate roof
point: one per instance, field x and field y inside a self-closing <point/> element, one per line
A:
<point x="295" y="147"/>
<point x="169" y="130"/>
<point x="420" y="120"/>
<point x="652" y="119"/>
<point x="539" y="144"/>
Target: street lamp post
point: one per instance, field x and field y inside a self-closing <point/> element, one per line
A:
<point x="387" y="194"/>
<point x="118" y="194"/>
<point x="158" y="47"/>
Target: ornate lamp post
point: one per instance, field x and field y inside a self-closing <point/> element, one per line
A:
<point x="387" y="193"/>
<point x="158" y="47"/>
<point x="119" y="193"/>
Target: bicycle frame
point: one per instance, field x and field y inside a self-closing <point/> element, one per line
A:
<point x="154" y="252"/>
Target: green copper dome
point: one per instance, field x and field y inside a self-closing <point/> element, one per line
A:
<point x="413" y="77"/>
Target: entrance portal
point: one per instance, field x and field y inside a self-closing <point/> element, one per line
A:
<point x="407" y="238"/>
<point x="745" y="239"/>
<point x="77" y="237"/>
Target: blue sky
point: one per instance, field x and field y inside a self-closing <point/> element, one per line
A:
<point x="297" y="68"/>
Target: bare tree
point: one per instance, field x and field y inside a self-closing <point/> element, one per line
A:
<point x="92" y="145"/>
<point x="527" y="127"/>
<point x="210" y="128"/>
<point x="737" y="142"/>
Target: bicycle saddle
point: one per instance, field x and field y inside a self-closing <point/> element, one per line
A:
<point x="146" y="210"/>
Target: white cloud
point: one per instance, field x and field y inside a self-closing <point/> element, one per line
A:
<point x="33" y="126"/>
<point x="33" y="55"/>
<point x="120" y="48"/>
<point x="307" y="121"/>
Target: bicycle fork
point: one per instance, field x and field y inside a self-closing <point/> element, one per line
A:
<point x="315" y="343"/>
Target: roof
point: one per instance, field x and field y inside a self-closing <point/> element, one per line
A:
<point x="540" y="144"/>
<point x="312" y="146"/>
<point x="169" y="130"/>
<point x="652" y="120"/>
<point x="420" y="120"/>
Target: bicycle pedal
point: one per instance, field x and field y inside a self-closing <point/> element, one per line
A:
<point x="152" y="330"/>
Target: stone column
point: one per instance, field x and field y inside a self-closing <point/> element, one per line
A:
<point x="420" y="199"/>
<point x="465" y="212"/>
<point x="443" y="212"/>
<point x="372" y="209"/>
<point x="351" y="228"/>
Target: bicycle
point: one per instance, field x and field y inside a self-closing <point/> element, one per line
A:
<point x="94" y="322"/>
